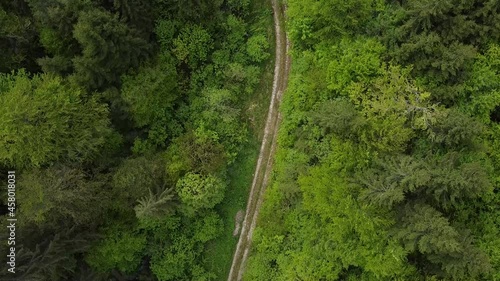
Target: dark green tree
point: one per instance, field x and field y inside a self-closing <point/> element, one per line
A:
<point x="109" y="48"/>
<point x="156" y="205"/>
<point x="198" y="151"/>
<point x="121" y="249"/>
<point x="138" y="14"/>
<point x="454" y="129"/>
<point x="53" y="259"/>
<point x="190" y="10"/>
<point x="151" y="97"/>
<point x="423" y="229"/>
<point x="60" y="194"/>
<point x="441" y="39"/>
<point x="18" y="38"/>
<point x="55" y="20"/>
<point x="135" y="177"/>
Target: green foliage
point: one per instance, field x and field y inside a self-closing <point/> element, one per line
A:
<point x="312" y="22"/>
<point x="135" y="177"/>
<point x="55" y="20"/>
<point x="165" y="31"/>
<point x="47" y="120"/>
<point x="122" y="128"/>
<point x="440" y="39"/>
<point x="393" y="180"/>
<point x="257" y="48"/>
<point x="238" y="6"/>
<point x="174" y="261"/>
<point x="444" y="179"/>
<point x="18" y="38"/>
<point x="190" y="10"/>
<point x="218" y="119"/>
<point x="155" y="205"/>
<point x="120" y="249"/>
<point x="482" y="85"/>
<point x="385" y="168"/>
<point x="150" y="96"/>
<point x="355" y="61"/>
<point x="50" y="41"/>
<point x="327" y="232"/>
<point x="454" y="129"/>
<point x="454" y="181"/>
<point x="179" y="257"/>
<point x="59" y="193"/>
<point x="424" y="229"/>
<point x="208" y="228"/>
<point x="192" y="45"/>
<point x="200" y="192"/>
<point x="200" y="151"/>
<point x="109" y="48"/>
<point x="338" y="116"/>
<point x="54" y="258"/>
<point x="392" y="107"/>
<point x="236" y="31"/>
<point x="137" y="13"/>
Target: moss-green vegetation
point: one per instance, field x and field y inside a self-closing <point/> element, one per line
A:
<point x="219" y="252"/>
<point x="133" y="127"/>
<point x="387" y="165"/>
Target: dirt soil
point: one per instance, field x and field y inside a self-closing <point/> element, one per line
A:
<point x="266" y="156"/>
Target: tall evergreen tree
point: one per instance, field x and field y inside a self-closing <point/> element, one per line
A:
<point x="18" y="38"/>
<point x="109" y="48"/>
<point x="155" y="205"/>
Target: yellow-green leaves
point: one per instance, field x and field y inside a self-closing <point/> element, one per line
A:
<point x="44" y="120"/>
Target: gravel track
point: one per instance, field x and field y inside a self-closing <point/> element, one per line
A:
<point x="265" y="161"/>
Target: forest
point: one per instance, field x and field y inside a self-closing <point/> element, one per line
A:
<point x="133" y="127"/>
<point x="388" y="164"/>
<point x="130" y="126"/>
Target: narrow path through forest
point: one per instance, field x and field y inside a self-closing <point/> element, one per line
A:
<point x="267" y="149"/>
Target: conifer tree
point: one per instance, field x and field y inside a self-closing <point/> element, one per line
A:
<point x="109" y="48"/>
<point x="155" y="205"/>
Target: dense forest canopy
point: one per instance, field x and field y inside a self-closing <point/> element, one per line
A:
<point x="124" y="121"/>
<point x="388" y="159"/>
<point x="121" y="119"/>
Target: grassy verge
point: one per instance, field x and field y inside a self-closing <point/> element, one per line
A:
<point x="219" y="253"/>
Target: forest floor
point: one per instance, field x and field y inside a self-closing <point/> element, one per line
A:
<point x="265" y="160"/>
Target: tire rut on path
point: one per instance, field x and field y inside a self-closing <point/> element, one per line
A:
<point x="267" y="149"/>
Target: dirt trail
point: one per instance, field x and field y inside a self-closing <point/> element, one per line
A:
<point x="267" y="149"/>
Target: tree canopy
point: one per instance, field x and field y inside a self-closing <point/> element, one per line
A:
<point x="386" y="167"/>
<point x="122" y="121"/>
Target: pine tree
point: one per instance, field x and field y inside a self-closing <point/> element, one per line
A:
<point x="18" y="38"/>
<point x="60" y="196"/>
<point x="155" y="205"/>
<point x="136" y="177"/>
<point x="54" y="259"/>
<point x="137" y="13"/>
<point x="109" y="48"/>
<point x="393" y="179"/>
<point x="54" y="20"/>
<point x="426" y="231"/>
<point x="453" y="181"/>
<point x="455" y="129"/>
